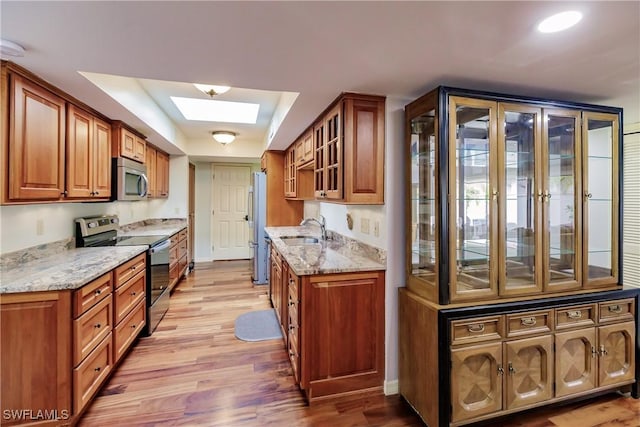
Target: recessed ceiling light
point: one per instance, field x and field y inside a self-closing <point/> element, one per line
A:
<point x="560" y="21"/>
<point x="209" y="110"/>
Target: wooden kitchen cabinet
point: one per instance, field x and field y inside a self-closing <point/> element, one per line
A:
<point x="162" y="175"/>
<point x="88" y="150"/>
<point x="128" y="143"/>
<point x="280" y="211"/>
<point x="304" y="148"/>
<point x="293" y="320"/>
<point x="177" y="258"/>
<point x="151" y="171"/>
<point x="348" y="144"/>
<point x="35" y="144"/>
<point x="290" y="189"/>
<point x="36" y="352"/>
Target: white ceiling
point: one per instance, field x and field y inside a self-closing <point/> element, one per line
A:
<point x="319" y="49"/>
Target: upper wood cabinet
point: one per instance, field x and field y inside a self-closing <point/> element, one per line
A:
<point x="151" y="171"/>
<point x="506" y="190"/>
<point x="344" y="149"/>
<point x="290" y="172"/>
<point x="88" y="155"/>
<point x="35" y="146"/>
<point x="127" y="143"/>
<point x="162" y="174"/>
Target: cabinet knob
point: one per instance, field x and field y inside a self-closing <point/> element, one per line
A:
<point x="587" y="195"/>
<point x="133" y="326"/>
<point x="98" y="291"/>
<point x="97" y="326"/>
<point x="133" y="294"/>
<point x="594" y="352"/>
<point x="92" y="193"/>
<point x="96" y="193"/>
<point x="64" y="193"/>
<point x="97" y="369"/>
<point x="292" y="353"/>
<point x="133" y="267"/>
<point x="602" y="351"/>
<point x="511" y="369"/>
<point x="494" y="194"/>
<point x="291" y="327"/>
<point x="500" y="370"/>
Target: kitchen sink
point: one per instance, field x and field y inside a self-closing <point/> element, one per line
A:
<point x="299" y="240"/>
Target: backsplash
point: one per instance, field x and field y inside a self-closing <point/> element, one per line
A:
<point x="361" y="248"/>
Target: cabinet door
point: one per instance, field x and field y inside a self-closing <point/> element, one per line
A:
<point x="476" y="381"/>
<point x="473" y="187"/>
<point x="36" y="142"/>
<point x="101" y="159"/>
<point x="320" y="160"/>
<point x="575" y="361"/>
<point x="290" y="172"/>
<point x="529" y="371"/>
<point x="306" y="147"/>
<point x="140" y="150"/>
<point x="520" y="210"/>
<point x="616" y="347"/>
<point x="127" y="144"/>
<point x="333" y="153"/>
<point x="562" y="204"/>
<point x="152" y="172"/>
<point x="80" y="153"/>
<point x="600" y="198"/>
<point x="424" y="206"/>
<point x="162" y="175"/>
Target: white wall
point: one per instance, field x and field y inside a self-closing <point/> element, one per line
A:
<point x="19" y="224"/>
<point x="204" y="182"/>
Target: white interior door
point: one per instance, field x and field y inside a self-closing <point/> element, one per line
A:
<point x="230" y="229"/>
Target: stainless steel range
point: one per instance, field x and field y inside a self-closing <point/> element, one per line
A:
<point x="102" y="231"/>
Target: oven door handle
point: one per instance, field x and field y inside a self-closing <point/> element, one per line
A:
<point x="161" y="247"/>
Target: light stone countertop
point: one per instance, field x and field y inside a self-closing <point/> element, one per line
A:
<point x="167" y="229"/>
<point x="70" y="269"/>
<point x="331" y="256"/>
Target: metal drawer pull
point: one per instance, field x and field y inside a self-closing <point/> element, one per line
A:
<point x="528" y="321"/>
<point x="97" y="326"/>
<point x="476" y="328"/>
<point x="615" y="308"/>
<point x="603" y="351"/>
<point x="98" y="291"/>
<point x="575" y="314"/>
<point x="97" y="369"/>
<point x="500" y="370"/>
<point x="511" y="369"/>
<point x="594" y="352"/>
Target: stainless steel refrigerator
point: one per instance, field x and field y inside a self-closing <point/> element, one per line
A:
<point x="257" y="216"/>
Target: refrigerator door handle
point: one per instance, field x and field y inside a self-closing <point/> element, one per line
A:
<point x="252" y="244"/>
<point x="249" y="216"/>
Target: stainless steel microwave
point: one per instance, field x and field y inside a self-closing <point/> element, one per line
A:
<point x="129" y="180"/>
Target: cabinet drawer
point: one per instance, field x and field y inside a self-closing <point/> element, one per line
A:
<point x="182" y="264"/>
<point x="477" y="330"/>
<point x="91" y="328"/>
<point x="293" y="288"/>
<point x="129" y="269"/>
<point x="294" y="354"/>
<point x="89" y="376"/>
<point x="575" y="316"/>
<point x="182" y="235"/>
<point x="294" y="318"/>
<point x="182" y="247"/>
<point x="129" y="295"/>
<point x="173" y="255"/>
<point x="128" y="330"/>
<point x="90" y="294"/>
<point x="616" y="311"/>
<point x="529" y="323"/>
<point x="173" y="272"/>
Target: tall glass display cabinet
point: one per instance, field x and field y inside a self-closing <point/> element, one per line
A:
<point x="513" y="256"/>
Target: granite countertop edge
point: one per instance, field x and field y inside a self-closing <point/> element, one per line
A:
<point x="69" y="270"/>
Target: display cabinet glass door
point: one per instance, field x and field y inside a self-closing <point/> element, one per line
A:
<point x="474" y="204"/>
<point x="561" y="208"/>
<point x="424" y="206"/>
<point x="600" y="201"/>
<point x="520" y="217"/>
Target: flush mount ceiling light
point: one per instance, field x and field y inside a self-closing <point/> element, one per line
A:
<point x="212" y="90"/>
<point x="9" y="48"/>
<point x="223" y="137"/>
<point x="560" y="21"/>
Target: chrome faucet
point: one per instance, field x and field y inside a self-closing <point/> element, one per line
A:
<point x="322" y="222"/>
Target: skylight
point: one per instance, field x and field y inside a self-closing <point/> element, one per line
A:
<point x="209" y="110"/>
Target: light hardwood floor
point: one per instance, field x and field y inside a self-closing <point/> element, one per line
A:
<point x="193" y="371"/>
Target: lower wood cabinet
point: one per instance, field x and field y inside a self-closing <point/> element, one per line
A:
<point x="59" y="347"/>
<point x="507" y="357"/>
<point x="178" y="257"/>
<point x="333" y="329"/>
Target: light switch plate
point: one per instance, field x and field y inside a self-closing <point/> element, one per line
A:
<point x="364" y="225"/>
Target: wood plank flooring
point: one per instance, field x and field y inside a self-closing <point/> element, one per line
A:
<point x="193" y="372"/>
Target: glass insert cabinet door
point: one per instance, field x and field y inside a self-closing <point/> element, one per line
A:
<point x="520" y="216"/>
<point x="600" y="200"/>
<point x="473" y="204"/>
<point x="561" y="209"/>
<point x="423" y="202"/>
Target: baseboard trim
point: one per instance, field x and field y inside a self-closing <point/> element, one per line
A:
<point x="390" y="387"/>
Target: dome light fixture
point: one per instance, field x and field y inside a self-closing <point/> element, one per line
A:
<point x="560" y="21"/>
<point x="224" y="137"/>
<point x="212" y="90"/>
<point x="9" y="48"/>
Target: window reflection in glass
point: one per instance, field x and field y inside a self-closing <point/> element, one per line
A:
<point x="423" y="197"/>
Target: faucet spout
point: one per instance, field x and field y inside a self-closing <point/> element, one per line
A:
<point x="322" y="223"/>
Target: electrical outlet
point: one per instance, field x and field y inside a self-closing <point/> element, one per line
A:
<point x="39" y="227"/>
<point x="364" y="225"/>
<point x="376" y="228"/>
<point x="177" y="211"/>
